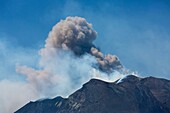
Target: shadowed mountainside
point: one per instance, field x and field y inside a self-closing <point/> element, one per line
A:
<point x="129" y="95"/>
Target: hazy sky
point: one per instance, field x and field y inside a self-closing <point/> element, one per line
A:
<point x="137" y="31"/>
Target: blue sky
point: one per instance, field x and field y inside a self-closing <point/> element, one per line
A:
<point x="137" y="31"/>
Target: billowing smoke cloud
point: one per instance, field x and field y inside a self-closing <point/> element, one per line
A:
<point x="68" y="60"/>
<point x="75" y="34"/>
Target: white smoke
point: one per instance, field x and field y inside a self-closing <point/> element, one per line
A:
<point x="60" y="76"/>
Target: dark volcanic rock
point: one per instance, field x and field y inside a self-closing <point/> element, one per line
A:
<point x="41" y="106"/>
<point x="130" y="95"/>
<point x="160" y="88"/>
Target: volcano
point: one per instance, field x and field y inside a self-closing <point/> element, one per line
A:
<point x="131" y="94"/>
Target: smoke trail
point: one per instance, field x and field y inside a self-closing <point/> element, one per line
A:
<point x="107" y="63"/>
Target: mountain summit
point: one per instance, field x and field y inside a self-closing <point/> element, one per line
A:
<point x="128" y="95"/>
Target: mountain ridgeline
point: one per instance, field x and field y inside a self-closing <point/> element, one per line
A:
<point x="128" y="95"/>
